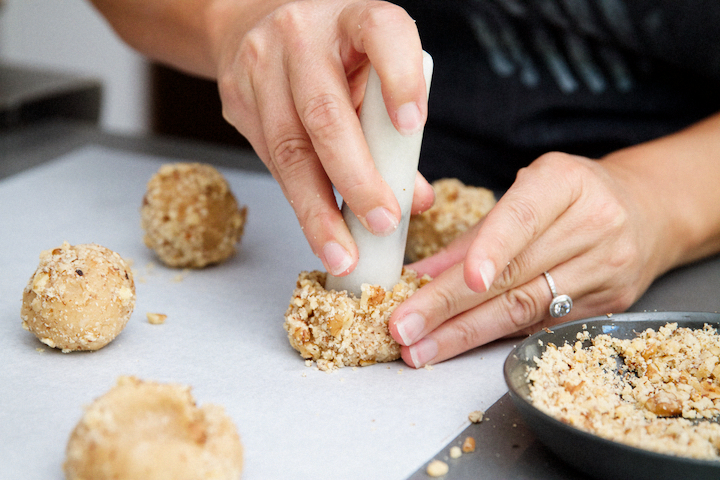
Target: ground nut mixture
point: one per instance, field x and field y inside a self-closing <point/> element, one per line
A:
<point x="669" y="382"/>
<point x="338" y="329"/>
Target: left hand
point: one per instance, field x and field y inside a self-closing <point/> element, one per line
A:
<point x="584" y="221"/>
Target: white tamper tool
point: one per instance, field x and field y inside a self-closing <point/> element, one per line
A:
<point x="396" y="158"/>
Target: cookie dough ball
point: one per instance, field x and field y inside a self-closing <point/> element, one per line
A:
<point x="190" y="216"/>
<point x="79" y="298"/>
<point x="337" y="329"/>
<point x="457" y="208"/>
<point x="150" y="431"/>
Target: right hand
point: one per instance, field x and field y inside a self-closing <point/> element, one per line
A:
<point x="292" y="85"/>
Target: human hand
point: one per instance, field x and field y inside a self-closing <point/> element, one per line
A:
<point x="292" y="85"/>
<point x="585" y="221"/>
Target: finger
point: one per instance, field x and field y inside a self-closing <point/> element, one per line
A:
<point x="525" y="308"/>
<point x="295" y="165"/>
<point x="535" y="201"/>
<point x="430" y="306"/>
<point x="321" y="98"/>
<point x="480" y="325"/>
<point x="372" y="27"/>
<point x="447" y="296"/>
<point x="423" y="195"/>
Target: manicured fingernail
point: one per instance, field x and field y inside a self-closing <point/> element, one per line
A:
<point x="409" y="120"/>
<point x="410" y="327"/>
<point x="337" y="259"/>
<point x="423" y="352"/>
<point x="487" y="273"/>
<point x="381" y="221"/>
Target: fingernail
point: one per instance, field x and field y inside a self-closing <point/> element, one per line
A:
<point x="337" y="259"/>
<point x="381" y="221"/>
<point x="409" y="120"/>
<point x="423" y="352"/>
<point x="410" y="327"/>
<point x="487" y="273"/>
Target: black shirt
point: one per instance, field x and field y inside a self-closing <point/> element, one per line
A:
<point x="517" y="78"/>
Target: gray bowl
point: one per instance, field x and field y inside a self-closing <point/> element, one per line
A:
<point x="596" y="456"/>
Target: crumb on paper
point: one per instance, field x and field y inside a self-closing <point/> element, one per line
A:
<point x="156" y="318"/>
<point x="428" y="366"/>
<point x="468" y="445"/>
<point x="40" y="350"/>
<point x="308" y="363"/>
<point x="437" y="468"/>
<point x="668" y="379"/>
<point x="181" y="276"/>
<point x="455" y="452"/>
<point x="476" y="416"/>
<point x="400" y="371"/>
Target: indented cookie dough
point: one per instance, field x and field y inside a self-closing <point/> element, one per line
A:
<point x="457" y="208"/>
<point x="337" y="329"/>
<point x="79" y="298"/>
<point x="190" y="216"/>
<point x="151" y="431"/>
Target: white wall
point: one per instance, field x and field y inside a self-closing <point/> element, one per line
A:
<point x="70" y="36"/>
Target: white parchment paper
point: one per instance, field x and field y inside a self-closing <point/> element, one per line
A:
<point x="223" y="336"/>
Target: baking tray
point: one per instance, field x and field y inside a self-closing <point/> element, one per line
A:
<point x="596" y="456"/>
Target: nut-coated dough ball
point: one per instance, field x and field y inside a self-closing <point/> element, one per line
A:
<point x="79" y="298"/>
<point x="458" y="207"/>
<point x="151" y="431"/>
<point x="337" y="329"/>
<point x="190" y="216"/>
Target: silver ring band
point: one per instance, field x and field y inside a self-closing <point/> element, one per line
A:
<point x="560" y="304"/>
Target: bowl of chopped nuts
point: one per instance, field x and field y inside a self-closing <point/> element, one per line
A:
<point x="633" y="395"/>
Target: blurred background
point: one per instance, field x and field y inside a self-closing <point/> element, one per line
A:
<point x="64" y="47"/>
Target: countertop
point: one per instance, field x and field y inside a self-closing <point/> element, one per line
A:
<point x="506" y="448"/>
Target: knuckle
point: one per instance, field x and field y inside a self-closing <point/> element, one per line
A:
<point x="290" y="152"/>
<point x="446" y="302"/>
<point x="289" y="17"/>
<point x="525" y="216"/>
<point x="508" y="277"/>
<point x="467" y="333"/>
<point x="378" y="13"/>
<point x="322" y="115"/>
<point x="524" y="309"/>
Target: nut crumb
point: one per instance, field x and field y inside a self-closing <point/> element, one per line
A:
<point x="647" y="391"/>
<point x="308" y="363"/>
<point x="428" y="366"/>
<point x="400" y="371"/>
<point x="455" y="452"/>
<point x="437" y="468"/>
<point x="476" y="416"/>
<point x="468" y="445"/>
<point x="156" y="318"/>
<point x="40" y="350"/>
